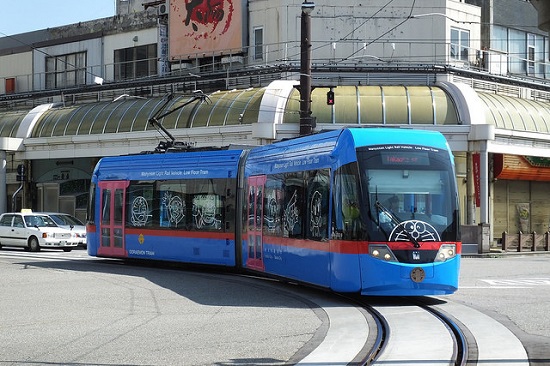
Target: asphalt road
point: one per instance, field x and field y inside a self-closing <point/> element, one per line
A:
<point x="69" y="309"/>
<point x="515" y="290"/>
<point x="93" y="312"/>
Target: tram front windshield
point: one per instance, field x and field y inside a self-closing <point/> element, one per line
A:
<point x="408" y="184"/>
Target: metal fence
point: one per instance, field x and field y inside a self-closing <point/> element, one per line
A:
<point x="529" y="242"/>
<point x="385" y="55"/>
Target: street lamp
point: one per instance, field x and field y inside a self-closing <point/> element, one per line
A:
<point x="306" y="121"/>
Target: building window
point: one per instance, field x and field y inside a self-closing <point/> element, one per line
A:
<point x="531" y="50"/>
<point x="136" y="62"/>
<point x="66" y="70"/>
<point x="258" y="44"/>
<point x="517" y="52"/>
<point x="460" y="44"/>
<point x="499" y="38"/>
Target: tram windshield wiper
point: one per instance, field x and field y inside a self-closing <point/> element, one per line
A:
<point x="396" y="221"/>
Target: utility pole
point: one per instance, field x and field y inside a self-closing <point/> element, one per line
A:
<point x="307" y="123"/>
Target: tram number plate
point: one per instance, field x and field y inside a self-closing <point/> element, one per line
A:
<point x="418" y="274"/>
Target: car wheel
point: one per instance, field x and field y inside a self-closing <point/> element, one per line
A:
<point x="67" y="249"/>
<point x="33" y="244"/>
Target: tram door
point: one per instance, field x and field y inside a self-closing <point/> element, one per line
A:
<point x="256" y="186"/>
<point x="111" y="221"/>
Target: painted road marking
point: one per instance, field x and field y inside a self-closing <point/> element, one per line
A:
<point x="521" y="283"/>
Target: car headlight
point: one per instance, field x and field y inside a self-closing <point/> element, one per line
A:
<point x="382" y="252"/>
<point x="446" y="251"/>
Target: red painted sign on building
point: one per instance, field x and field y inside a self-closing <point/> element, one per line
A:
<point x="477" y="177"/>
<point x="205" y="27"/>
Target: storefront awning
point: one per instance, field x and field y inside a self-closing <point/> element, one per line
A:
<point x="10" y="121"/>
<point x="387" y="105"/>
<point x="362" y="105"/>
<point x="515" y="167"/>
<point x="132" y="114"/>
<point x="511" y="113"/>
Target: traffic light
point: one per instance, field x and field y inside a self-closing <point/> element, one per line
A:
<point x="21" y="174"/>
<point x="330" y="97"/>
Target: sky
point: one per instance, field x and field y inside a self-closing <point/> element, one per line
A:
<point x="20" y="16"/>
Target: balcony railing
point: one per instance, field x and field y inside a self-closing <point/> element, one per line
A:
<point x="386" y="55"/>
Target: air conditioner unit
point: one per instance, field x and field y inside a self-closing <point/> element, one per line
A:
<point x="164" y="8"/>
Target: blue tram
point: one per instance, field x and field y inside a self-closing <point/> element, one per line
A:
<point x="365" y="210"/>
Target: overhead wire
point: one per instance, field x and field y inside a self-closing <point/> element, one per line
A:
<point x="328" y="43"/>
<point x="388" y="31"/>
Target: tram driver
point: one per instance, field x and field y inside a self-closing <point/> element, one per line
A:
<point x="391" y="207"/>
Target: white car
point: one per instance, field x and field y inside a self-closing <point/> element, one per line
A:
<point x="33" y="231"/>
<point x="71" y="223"/>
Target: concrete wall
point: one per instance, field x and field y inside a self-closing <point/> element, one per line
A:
<point x="543" y="9"/>
<point x="18" y="66"/>
<point x="359" y="31"/>
<point x="516" y="14"/>
<point x="129" y="6"/>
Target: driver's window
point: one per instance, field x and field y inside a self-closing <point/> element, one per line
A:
<point x="347" y="208"/>
<point x="391" y="202"/>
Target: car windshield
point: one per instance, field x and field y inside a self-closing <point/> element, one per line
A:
<point x="66" y="220"/>
<point x="39" y="221"/>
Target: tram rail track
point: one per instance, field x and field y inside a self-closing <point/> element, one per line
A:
<point x="462" y="354"/>
<point x="379" y="341"/>
<point x="395" y="326"/>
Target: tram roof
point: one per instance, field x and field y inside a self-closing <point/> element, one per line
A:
<point x="183" y="165"/>
<point x="323" y="149"/>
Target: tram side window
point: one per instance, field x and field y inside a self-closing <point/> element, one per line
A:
<point x="293" y="205"/>
<point x="251" y="208"/>
<point x="139" y="209"/>
<point x="229" y="203"/>
<point x="173" y="204"/>
<point x="106" y="207"/>
<point x="207" y="202"/>
<point x="119" y="202"/>
<point x="177" y="204"/>
<point x="273" y="205"/>
<point x="317" y="205"/>
<point x="347" y="214"/>
<point x="90" y="213"/>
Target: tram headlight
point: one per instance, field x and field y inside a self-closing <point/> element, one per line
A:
<point x="382" y="252"/>
<point x="446" y="251"/>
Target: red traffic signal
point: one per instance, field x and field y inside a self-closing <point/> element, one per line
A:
<point x="330" y="97"/>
